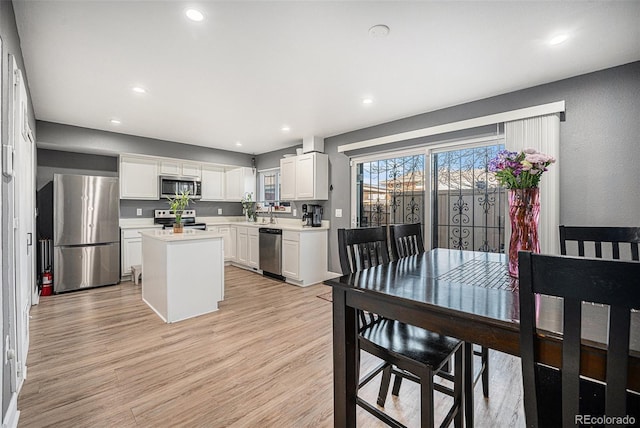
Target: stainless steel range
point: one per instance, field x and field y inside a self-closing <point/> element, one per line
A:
<point x="166" y="218"/>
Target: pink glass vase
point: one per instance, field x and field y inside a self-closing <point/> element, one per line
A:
<point x="524" y="212"/>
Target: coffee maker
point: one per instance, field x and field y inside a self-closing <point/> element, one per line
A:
<point x="311" y="215"/>
<point x="307" y="217"/>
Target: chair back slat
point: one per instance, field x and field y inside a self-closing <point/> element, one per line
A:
<point x="599" y="250"/>
<point x="406" y="240"/>
<point x="599" y="235"/>
<point x="616" y="250"/>
<point x="362" y="248"/>
<point x="577" y="280"/>
<point x="618" y="350"/>
<point x="571" y="360"/>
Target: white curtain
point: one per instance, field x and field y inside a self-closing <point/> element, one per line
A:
<point x="543" y="134"/>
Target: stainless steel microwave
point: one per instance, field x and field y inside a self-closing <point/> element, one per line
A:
<point x="172" y="185"/>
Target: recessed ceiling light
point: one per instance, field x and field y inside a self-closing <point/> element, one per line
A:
<point x="379" y="30"/>
<point x="238" y="143"/>
<point x="194" y="15"/>
<point x="560" y="38"/>
<point x="285" y="128"/>
<point x="115" y="121"/>
<point x="139" y="90"/>
<point x="367" y="101"/>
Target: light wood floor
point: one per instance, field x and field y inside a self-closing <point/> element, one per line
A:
<point x="102" y="358"/>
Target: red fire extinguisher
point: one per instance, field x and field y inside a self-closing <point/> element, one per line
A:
<point x="47" y="284"/>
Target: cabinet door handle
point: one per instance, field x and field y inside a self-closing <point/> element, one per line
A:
<point x="30" y="239"/>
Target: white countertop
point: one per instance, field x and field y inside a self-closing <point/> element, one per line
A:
<point x="138" y="223"/>
<point x="188" y="235"/>
<point x="292" y="224"/>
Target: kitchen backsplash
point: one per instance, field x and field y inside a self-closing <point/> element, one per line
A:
<point x="128" y="208"/>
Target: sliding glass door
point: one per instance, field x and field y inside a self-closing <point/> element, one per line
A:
<point x="447" y="188"/>
<point x="390" y="190"/>
<point x="468" y="204"/>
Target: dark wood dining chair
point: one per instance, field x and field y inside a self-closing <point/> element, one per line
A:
<point x="599" y="235"/>
<point x="554" y="397"/>
<point x="406" y="240"/>
<point x="417" y="354"/>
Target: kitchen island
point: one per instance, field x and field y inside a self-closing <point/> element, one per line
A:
<point x="183" y="272"/>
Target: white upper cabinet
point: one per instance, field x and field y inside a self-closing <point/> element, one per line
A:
<point x="190" y="169"/>
<point x="238" y="182"/>
<point x="138" y="178"/>
<point x="176" y="167"/>
<point x="169" y="167"/>
<point x="213" y="183"/>
<point x="305" y="177"/>
<point x="288" y="179"/>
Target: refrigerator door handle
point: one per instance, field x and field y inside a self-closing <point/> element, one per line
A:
<point x="30" y="240"/>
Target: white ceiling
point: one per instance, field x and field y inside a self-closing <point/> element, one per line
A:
<point x="251" y="67"/>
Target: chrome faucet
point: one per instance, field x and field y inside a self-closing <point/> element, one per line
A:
<point x="272" y="219"/>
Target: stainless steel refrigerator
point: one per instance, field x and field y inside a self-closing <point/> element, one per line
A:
<point x="86" y="235"/>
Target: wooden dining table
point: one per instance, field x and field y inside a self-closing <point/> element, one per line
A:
<point x="464" y="294"/>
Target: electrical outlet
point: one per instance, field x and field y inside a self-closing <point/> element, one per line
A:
<point x="219" y="211"/>
<point x="338" y="212"/>
<point x="139" y="211"/>
<point x="295" y="212"/>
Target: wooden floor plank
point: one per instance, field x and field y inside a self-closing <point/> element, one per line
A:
<point x="101" y="357"/>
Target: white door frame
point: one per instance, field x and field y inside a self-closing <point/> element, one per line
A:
<point x="24" y="222"/>
<point x="2" y="343"/>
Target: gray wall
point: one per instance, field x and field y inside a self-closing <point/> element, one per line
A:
<point x="10" y="46"/>
<point x="97" y="152"/>
<point x="599" y="147"/>
<point x="272" y="160"/>
<point x="58" y="162"/>
<point x="56" y="136"/>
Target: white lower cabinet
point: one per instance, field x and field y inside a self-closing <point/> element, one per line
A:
<point x="229" y="239"/>
<point x="291" y="257"/>
<point x="246" y="246"/>
<point x="304" y="256"/>
<point x="242" y="255"/>
<point x="131" y="250"/>
<point x="254" y="247"/>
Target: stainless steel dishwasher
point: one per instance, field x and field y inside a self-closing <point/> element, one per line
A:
<point x="271" y="252"/>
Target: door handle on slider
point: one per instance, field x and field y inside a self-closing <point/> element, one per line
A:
<point x="30" y="240"/>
